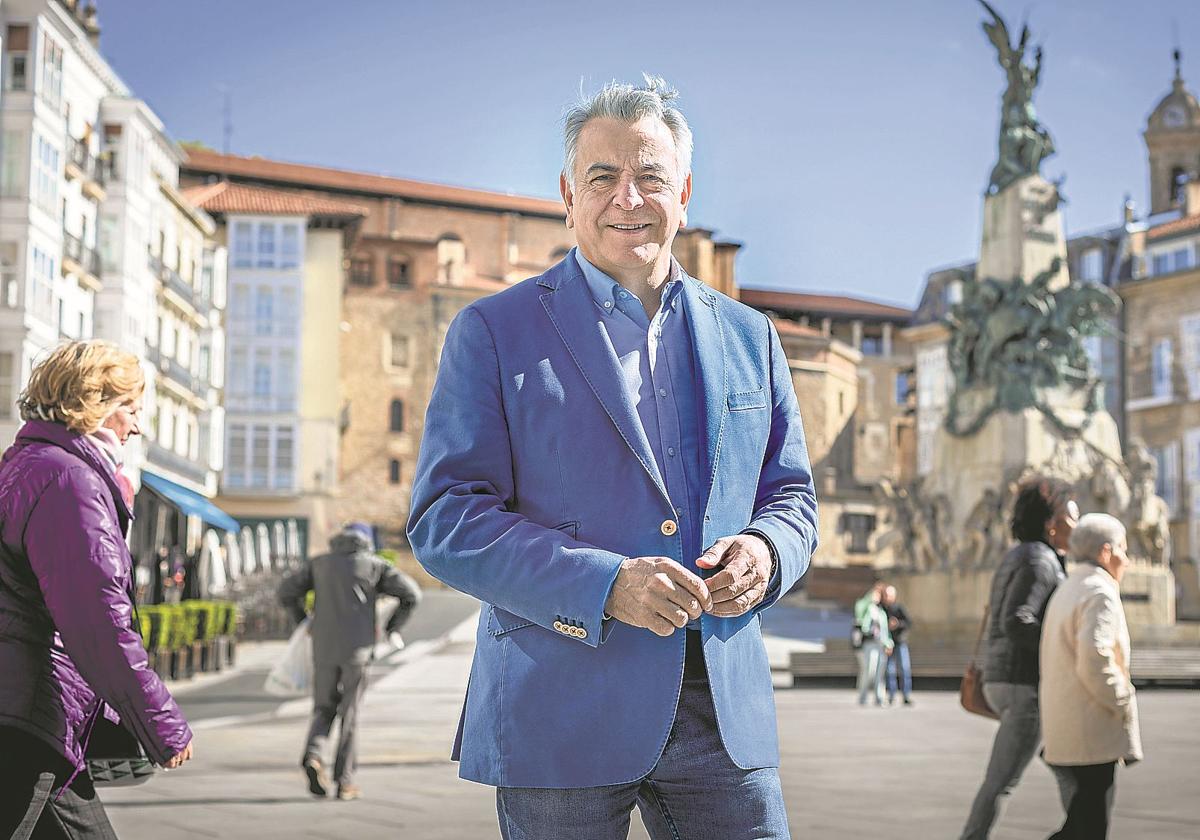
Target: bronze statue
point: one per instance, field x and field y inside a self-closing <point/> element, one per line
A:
<point x="1024" y="143"/>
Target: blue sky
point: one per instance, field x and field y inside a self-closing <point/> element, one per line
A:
<point x="846" y="144"/>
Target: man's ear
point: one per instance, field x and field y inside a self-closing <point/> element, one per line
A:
<point x="684" y="197"/>
<point x="568" y="198"/>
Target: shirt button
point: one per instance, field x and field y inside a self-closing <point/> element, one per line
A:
<point x="671" y="451"/>
<point x="668" y="528"/>
<point x="608" y="304"/>
<point x="662" y="392"/>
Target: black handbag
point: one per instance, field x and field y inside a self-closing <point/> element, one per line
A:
<point x="114" y="755"/>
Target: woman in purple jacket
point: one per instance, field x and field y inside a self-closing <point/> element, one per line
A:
<point x="68" y="649"/>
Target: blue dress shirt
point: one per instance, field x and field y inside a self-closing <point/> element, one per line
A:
<point x="659" y="369"/>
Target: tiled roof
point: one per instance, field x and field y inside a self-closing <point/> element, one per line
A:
<point x="1185" y="225"/>
<point x="813" y="304"/>
<point x="320" y="177"/>
<point x="225" y="197"/>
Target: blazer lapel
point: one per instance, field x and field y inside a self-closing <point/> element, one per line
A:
<point x="708" y="341"/>
<point x="573" y="312"/>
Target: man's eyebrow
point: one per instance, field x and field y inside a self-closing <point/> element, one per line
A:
<point x="601" y="167"/>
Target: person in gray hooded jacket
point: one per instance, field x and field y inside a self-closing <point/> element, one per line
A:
<point x="346" y="583"/>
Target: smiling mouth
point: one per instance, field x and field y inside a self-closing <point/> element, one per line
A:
<point x="629" y="228"/>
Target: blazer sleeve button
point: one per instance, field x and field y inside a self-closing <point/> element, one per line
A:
<point x="668" y="528"/>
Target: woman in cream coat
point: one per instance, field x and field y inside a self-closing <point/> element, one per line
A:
<point x="1089" y="713"/>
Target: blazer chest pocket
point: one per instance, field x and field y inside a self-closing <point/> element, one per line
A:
<point x="748" y="400"/>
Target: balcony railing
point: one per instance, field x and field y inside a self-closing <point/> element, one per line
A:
<point x="74" y="249"/>
<point x="176" y="372"/>
<point x="175" y="282"/>
<point x="90" y="165"/>
<point x="171" y="460"/>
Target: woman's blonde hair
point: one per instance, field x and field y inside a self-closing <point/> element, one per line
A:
<point x="80" y="384"/>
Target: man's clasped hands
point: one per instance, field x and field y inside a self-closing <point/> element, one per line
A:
<point x="661" y="595"/>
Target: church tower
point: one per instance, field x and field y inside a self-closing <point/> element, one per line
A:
<point x="1173" y="143"/>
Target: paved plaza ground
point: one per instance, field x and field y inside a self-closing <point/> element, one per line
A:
<point x="905" y="773"/>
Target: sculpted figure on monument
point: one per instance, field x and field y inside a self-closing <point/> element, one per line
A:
<point x="1024" y="143"/>
<point x="1011" y="339"/>
<point x="983" y="532"/>
<point x="1148" y="517"/>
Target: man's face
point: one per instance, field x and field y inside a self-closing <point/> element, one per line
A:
<point x="629" y="199"/>
<point x="1116" y="559"/>
<point x="889" y="595"/>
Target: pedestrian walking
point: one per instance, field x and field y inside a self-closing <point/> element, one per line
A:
<point x="874" y="646"/>
<point x="899" y="664"/>
<point x="69" y="651"/>
<point x="1043" y="515"/>
<point x="614" y="463"/>
<point x="345" y="584"/>
<point x="1088" y="704"/>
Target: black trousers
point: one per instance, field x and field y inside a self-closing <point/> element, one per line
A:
<point x="31" y="774"/>
<point x="1087" y="794"/>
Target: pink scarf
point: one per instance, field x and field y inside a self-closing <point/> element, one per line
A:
<point x="106" y="441"/>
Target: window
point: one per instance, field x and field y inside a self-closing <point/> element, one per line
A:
<point x="284" y="458"/>
<point x="902" y="387"/>
<point x="52" y="71"/>
<point x="872" y="345"/>
<point x="398" y="347"/>
<point x="396" y="416"/>
<point x="858" y="528"/>
<point x="1160" y="264"/>
<point x="40" y="296"/>
<point x="260" y="455"/>
<point x="266" y="245"/>
<point x="1191" y="458"/>
<point x="289" y="318"/>
<point x="1181" y="259"/>
<point x="12" y="165"/>
<point x="1160" y="368"/>
<point x="397" y="275"/>
<point x="8" y="383"/>
<point x="394" y="471"/>
<point x="16" y="50"/>
<point x="289" y="251"/>
<point x="264" y="310"/>
<point x="285" y="387"/>
<point x="1091" y="266"/>
<point x="452" y="260"/>
<point x="45" y="176"/>
<point x="360" y="271"/>
<point x="243" y="245"/>
<point x="262" y="374"/>
<point x="10" y="281"/>
<point x="1167" y="485"/>
<point x="1189" y="330"/>
<point x="110" y="149"/>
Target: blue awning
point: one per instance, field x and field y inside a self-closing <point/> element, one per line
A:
<point x="190" y="502"/>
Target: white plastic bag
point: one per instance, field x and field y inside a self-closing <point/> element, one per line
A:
<point x="293" y="673"/>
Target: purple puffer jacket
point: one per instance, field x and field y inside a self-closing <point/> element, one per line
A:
<point x="66" y="622"/>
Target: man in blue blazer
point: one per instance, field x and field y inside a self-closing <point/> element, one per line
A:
<point x="613" y="463"/>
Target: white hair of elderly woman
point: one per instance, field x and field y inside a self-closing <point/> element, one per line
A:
<point x="1091" y="534"/>
<point x="628" y="103"/>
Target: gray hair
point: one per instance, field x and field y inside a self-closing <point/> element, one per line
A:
<point x="625" y="102"/>
<point x="1091" y="534"/>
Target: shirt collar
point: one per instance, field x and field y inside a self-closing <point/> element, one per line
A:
<point x="605" y="290"/>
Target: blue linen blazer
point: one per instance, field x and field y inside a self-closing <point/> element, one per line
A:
<point x="535" y="480"/>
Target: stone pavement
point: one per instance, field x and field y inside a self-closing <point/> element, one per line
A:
<point x="848" y="772"/>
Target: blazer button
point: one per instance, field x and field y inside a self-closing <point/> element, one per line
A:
<point x="558" y="625"/>
<point x="581" y="633"/>
<point x="668" y="528"/>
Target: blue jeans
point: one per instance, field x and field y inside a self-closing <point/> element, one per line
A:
<point x="1017" y="740"/>
<point x="694" y="792"/>
<point x="899" y="658"/>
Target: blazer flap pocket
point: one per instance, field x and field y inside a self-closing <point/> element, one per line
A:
<point x="502" y="621"/>
<point x="747" y="400"/>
